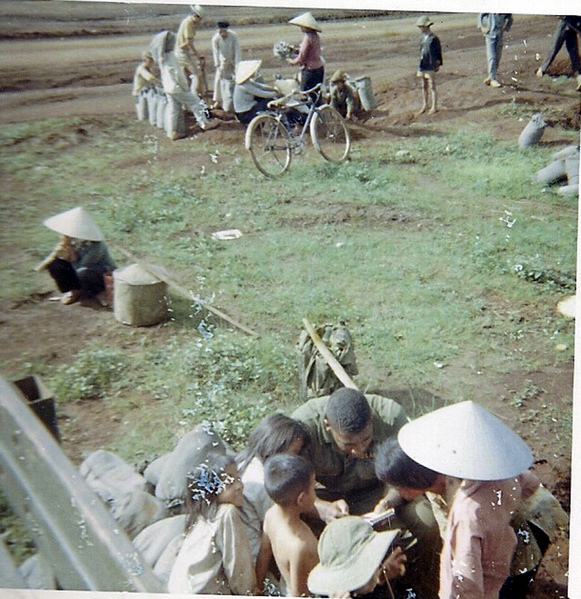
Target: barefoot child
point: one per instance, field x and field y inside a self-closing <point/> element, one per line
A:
<point x="290" y="482"/>
<point x="430" y="62"/>
<point x="215" y="556"/>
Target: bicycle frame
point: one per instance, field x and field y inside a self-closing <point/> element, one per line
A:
<point x="280" y="113"/>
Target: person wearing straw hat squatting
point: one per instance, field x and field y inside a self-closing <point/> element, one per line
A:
<point x="309" y="57"/>
<point x="430" y="63"/>
<point x="251" y="95"/>
<point x="79" y="261"/>
<point x="342" y="98"/>
<point x="354" y="560"/>
<point x="226" y="53"/>
<point x="472" y="457"/>
<point x="185" y="51"/>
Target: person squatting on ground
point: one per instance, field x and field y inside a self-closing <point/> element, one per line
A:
<point x="568" y="28"/>
<point x="309" y="57"/>
<point x="465" y="456"/>
<point x="342" y="96"/>
<point x="143" y="78"/>
<point x="80" y="260"/>
<point x="188" y="57"/>
<point x="493" y="26"/>
<point x="226" y="53"/>
<point x="175" y="86"/>
<point x="275" y="434"/>
<point x="346" y="428"/>
<point x="290" y="483"/>
<point x="251" y="95"/>
<point x="429" y="64"/>
<point x="215" y="555"/>
<point x="355" y="559"/>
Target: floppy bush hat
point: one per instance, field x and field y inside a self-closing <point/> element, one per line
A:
<point x="75" y="223"/>
<point x="245" y="69"/>
<point x="350" y="552"/>
<point x="424" y="21"/>
<point x="306" y="20"/>
<point x="466" y="441"/>
<point x="338" y="75"/>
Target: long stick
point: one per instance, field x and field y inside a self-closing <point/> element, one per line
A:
<point x="185" y="292"/>
<point x="329" y="357"/>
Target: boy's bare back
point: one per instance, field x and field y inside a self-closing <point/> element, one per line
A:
<point x="294" y="547"/>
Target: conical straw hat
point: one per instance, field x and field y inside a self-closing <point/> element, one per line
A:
<point x="75" y="223"/>
<point x="245" y="69"/>
<point x="466" y="441"/>
<point x="306" y="20"/>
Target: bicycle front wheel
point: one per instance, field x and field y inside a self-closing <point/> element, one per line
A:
<point x="330" y="134"/>
<point x="268" y="142"/>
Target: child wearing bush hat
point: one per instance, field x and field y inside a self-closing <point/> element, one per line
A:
<point x="430" y="62"/>
<point x="353" y="559"/>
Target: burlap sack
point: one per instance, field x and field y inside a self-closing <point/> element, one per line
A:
<point x="136" y="510"/>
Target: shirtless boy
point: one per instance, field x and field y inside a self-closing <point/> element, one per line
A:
<point x="290" y="482"/>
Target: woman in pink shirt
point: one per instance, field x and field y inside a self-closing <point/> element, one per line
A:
<point x="309" y="57"/>
<point x="479" y="466"/>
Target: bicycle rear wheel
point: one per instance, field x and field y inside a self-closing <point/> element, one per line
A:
<point x="268" y="142"/>
<point x="330" y="134"/>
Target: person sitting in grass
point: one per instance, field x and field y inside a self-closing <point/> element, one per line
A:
<point x="215" y="555"/>
<point x="290" y="482"/>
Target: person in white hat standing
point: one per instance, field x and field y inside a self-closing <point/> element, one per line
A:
<point x="189" y="58"/>
<point x="251" y="96"/>
<point x="80" y="260"/>
<point x="466" y="454"/>
<point x="309" y="57"/>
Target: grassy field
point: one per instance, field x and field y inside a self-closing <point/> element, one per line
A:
<point x="438" y="251"/>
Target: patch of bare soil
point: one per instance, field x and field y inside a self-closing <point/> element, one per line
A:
<point x="77" y="59"/>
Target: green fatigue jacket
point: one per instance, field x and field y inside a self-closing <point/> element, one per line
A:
<point x="338" y="472"/>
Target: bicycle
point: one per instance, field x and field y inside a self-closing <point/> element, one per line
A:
<point x="271" y="138"/>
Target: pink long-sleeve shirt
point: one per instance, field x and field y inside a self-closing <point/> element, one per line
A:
<point x="310" y="52"/>
<point x="479" y="542"/>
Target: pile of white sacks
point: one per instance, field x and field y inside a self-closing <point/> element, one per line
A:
<point x="563" y="170"/>
<point x="153" y="105"/>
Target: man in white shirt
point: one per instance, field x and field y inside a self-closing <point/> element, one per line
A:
<point x="226" y="51"/>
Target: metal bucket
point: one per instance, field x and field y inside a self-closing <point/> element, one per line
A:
<point x="365" y="91"/>
<point x="140" y="298"/>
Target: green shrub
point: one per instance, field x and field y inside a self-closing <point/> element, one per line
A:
<point x="93" y="374"/>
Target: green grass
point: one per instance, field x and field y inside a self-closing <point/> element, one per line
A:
<point x="438" y="251"/>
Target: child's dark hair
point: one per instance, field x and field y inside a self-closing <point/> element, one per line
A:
<point x="395" y="467"/>
<point x="286" y="476"/>
<point x="274" y="434"/>
<point x="203" y="485"/>
<point x="348" y="411"/>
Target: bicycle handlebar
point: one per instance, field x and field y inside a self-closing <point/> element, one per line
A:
<point x="279" y="102"/>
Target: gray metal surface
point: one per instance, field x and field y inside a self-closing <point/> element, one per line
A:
<point x="69" y="524"/>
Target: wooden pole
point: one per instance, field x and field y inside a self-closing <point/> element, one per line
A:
<point x="329" y="357"/>
<point x="162" y="276"/>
